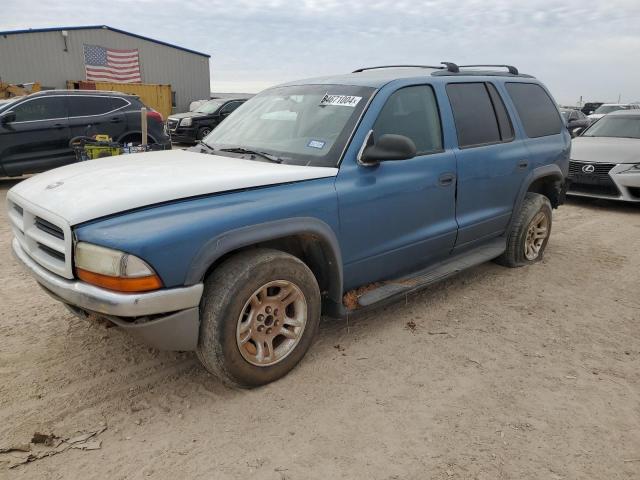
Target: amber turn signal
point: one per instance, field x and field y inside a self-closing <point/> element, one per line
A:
<point x="120" y="284"/>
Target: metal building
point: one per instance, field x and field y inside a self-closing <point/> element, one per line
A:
<point x="52" y="56"/>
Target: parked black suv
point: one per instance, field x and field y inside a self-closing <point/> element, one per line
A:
<point x="35" y="130"/>
<point x="190" y="127"/>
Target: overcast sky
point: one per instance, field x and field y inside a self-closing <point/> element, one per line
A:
<point x="577" y="47"/>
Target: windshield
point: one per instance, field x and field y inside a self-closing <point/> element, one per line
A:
<point x="6" y="103"/>
<point x="615" y="126"/>
<point x="301" y="124"/>
<point x="210" y="106"/>
<point x="611" y="108"/>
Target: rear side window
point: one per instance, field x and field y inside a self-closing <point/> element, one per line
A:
<point x="504" y="123"/>
<point x="537" y="111"/>
<point x="479" y="114"/>
<point x="41" y="109"/>
<point x="412" y="112"/>
<point x="85" y="106"/>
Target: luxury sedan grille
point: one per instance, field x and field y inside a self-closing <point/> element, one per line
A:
<point x="600" y="169"/>
<point x="593" y="178"/>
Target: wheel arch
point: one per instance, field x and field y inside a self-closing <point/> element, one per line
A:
<point x="547" y="180"/>
<point x="309" y="239"/>
<point x="135" y="133"/>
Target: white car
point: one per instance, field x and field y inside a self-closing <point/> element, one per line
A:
<point x="605" y="159"/>
<point x="606" y="108"/>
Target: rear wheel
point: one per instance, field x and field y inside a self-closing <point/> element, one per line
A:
<point x="529" y="233"/>
<point x="134" y="140"/>
<point x="259" y="313"/>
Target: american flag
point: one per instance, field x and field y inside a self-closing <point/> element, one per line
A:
<point x="108" y="65"/>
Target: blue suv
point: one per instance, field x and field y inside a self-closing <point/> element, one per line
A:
<point x="321" y="196"/>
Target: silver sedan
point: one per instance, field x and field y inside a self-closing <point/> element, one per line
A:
<point x="605" y="159"/>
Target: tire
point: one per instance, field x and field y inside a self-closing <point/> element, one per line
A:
<point x="203" y="132"/>
<point x="535" y="208"/>
<point x="228" y="317"/>
<point x="134" y="140"/>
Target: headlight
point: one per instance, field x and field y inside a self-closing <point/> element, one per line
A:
<point x="633" y="169"/>
<point x="186" y="122"/>
<point x="114" y="270"/>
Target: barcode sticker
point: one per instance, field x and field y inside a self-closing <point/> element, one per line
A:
<point x="340" y="100"/>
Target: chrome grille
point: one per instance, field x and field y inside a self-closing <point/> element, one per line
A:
<point x="46" y="239"/>
<point x="172" y="124"/>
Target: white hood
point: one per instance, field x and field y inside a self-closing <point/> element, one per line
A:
<point x="88" y="190"/>
<point x="605" y="149"/>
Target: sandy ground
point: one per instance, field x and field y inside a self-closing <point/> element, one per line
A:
<point x="508" y="374"/>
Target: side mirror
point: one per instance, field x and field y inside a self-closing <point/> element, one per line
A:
<point x="576" y="131"/>
<point x="8" y="117"/>
<point x="388" y="147"/>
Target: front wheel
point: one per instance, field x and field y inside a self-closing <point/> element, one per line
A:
<point x="259" y="313"/>
<point x="203" y="132"/>
<point x="529" y="233"/>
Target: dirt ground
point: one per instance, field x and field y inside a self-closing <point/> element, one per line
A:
<point x="531" y="373"/>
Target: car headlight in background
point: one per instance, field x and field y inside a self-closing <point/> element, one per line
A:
<point x="634" y="169"/>
<point x="185" y="122"/>
<point x="114" y="270"/>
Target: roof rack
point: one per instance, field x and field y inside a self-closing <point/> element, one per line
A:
<point x="450" y="67"/>
<point x="453" y="68"/>
<point x="512" y="70"/>
<point x="359" y="70"/>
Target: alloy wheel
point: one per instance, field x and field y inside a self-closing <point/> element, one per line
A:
<point x="537" y="233"/>
<point x="271" y="323"/>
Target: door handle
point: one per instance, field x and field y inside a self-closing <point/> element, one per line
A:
<point x="523" y="163"/>
<point x="446" y="179"/>
<point x="58" y="125"/>
<point x="116" y="120"/>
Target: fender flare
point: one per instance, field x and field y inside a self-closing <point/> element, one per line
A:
<point x="551" y="170"/>
<point x="253" y="234"/>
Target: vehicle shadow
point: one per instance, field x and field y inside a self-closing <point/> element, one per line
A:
<point x="602" y="204"/>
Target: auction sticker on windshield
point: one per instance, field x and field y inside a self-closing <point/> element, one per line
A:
<point x="341" y="100"/>
<point x="315" y="144"/>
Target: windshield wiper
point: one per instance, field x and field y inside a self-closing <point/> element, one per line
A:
<point x="268" y="156"/>
<point x="208" y="147"/>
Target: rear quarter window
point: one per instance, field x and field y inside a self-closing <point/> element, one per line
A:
<point x="537" y="111"/>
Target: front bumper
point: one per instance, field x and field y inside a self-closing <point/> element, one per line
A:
<point x="166" y="319"/>
<point x="184" y="135"/>
<point x="617" y="184"/>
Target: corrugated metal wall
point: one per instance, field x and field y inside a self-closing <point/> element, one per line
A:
<point x="40" y="56"/>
